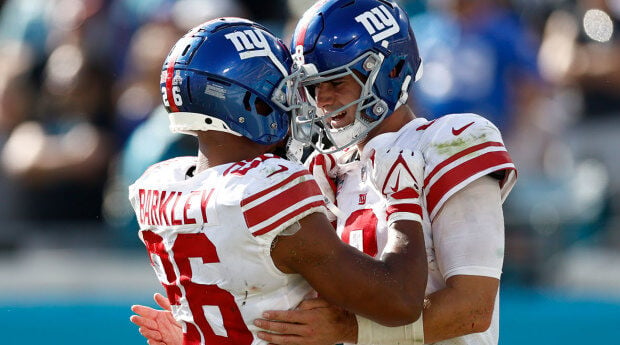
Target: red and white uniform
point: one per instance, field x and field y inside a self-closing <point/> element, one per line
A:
<point x="458" y="150"/>
<point x="209" y="238"/>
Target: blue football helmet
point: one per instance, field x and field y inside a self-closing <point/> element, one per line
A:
<point x="372" y="41"/>
<point x="228" y="75"/>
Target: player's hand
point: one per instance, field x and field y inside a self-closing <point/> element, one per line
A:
<point x="314" y="322"/>
<point x="398" y="174"/>
<point x="324" y="169"/>
<point x="158" y="326"/>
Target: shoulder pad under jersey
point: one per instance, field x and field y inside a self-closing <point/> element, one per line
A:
<point x="171" y="170"/>
<point x="278" y="193"/>
<point x="458" y="149"/>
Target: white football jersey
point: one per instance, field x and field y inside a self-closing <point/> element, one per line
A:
<point x="209" y="239"/>
<point x="458" y="149"/>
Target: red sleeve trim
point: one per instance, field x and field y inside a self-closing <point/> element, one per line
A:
<point x="273" y="188"/>
<point x="288" y="217"/>
<point x="460" y="173"/>
<point x="265" y="211"/>
<point x="407" y="208"/>
<point x="460" y="155"/>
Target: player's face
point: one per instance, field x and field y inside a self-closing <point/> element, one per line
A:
<point x="334" y="94"/>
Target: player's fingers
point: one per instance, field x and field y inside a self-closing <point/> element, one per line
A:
<point x="313" y="303"/>
<point x="143" y="322"/>
<point x="148" y="312"/>
<point x="162" y="301"/>
<point x="153" y="342"/>
<point x="280" y="327"/>
<point x="296" y="316"/>
<point x="143" y="310"/>
<point x="150" y="334"/>
<point x="280" y="339"/>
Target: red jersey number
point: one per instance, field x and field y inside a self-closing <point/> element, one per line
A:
<point x="361" y="226"/>
<point x="200" y="297"/>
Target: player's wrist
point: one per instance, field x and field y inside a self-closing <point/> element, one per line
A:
<point x="350" y="331"/>
<point x="370" y="332"/>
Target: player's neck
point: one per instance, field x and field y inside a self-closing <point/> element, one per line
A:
<point x="217" y="148"/>
<point x="393" y="123"/>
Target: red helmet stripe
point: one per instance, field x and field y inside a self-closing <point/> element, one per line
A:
<point x="169" y="77"/>
<point x="302" y="27"/>
<point x="170" y="70"/>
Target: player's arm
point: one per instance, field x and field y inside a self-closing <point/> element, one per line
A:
<point x="469" y="244"/>
<point x="468" y="236"/>
<point x="464" y="306"/>
<point x="390" y="291"/>
<point x="386" y="291"/>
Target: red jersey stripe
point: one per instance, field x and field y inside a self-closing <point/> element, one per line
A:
<point x="459" y="155"/>
<point x="463" y="171"/>
<point x="280" y="202"/>
<point x="407" y="193"/>
<point x="274" y="187"/>
<point x="288" y="217"/>
<point x="409" y="208"/>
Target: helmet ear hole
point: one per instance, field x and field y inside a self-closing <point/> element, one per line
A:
<point x="262" y="108"/>
<point x="246" y="101"/>
<point x="395" y="72"/>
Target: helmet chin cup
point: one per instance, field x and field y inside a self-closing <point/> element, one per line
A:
<point x="347" y="136"/>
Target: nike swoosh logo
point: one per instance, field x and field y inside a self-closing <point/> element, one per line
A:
<point x="424" y="127"/>
<point x="460" y="130"/>
<point x="282" y="169"/>
<point x="395" y="188"/>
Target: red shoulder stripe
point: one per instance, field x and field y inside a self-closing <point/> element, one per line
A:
<point x="452" y="178"/>
<point x="459" y="155"/>
<point x="266" y="210"/>
<point x="288" y="217"/>
<point x="274" y="187"/>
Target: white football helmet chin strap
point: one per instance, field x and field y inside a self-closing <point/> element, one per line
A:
<point x="189" y="123"/>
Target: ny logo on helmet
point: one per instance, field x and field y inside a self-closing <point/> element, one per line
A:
<point x="379" y="23"/>
<point x="249" y="43"/>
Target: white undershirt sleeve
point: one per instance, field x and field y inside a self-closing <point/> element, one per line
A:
<point x="468" y="231"/>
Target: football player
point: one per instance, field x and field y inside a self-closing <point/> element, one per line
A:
<point x="358" y="59"/>
<point x="237" y="230"/>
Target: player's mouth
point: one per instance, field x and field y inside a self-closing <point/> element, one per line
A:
<point x="338" y="120"/>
